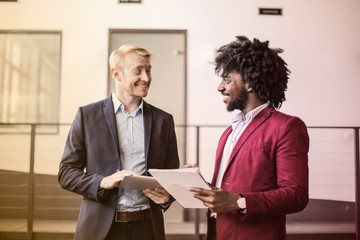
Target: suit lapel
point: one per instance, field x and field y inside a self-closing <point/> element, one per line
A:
<point x="219" y="153"/>
<point x="147" y="129"/>
<point x="110" y="118"/>
<point x="254" y="124"/>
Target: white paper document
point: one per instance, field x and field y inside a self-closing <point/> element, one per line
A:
<point x="139" y="182"/>
<point x="177" y="182"/>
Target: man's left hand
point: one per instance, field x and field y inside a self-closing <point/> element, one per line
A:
<point x="158" y="195"/>
<point x="217" y="199"/>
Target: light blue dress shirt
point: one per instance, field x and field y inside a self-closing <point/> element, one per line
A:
<point x="130" y="128"/>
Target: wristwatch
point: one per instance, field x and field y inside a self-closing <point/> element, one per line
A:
<point x="241" y="202"/>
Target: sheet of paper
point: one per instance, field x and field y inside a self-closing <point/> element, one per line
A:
<point x="139" y="182"/>
<point x="177" y="182"/>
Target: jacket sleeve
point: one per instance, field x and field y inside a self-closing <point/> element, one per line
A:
<point x="172" y="155"/>
<point x="291" y="156"/>
<point x="71" y="175"/>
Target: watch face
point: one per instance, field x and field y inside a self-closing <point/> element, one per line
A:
<point x="241" y="203"/>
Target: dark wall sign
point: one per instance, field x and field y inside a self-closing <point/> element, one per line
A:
<point x="129" y="1"/>
<point x="270" y="11"/>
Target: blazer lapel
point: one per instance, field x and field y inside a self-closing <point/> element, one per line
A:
<point x="110" y="118"/>
<point x="254" y="124"/>
<point x="219" y="153"/>
<point x="147" y="129"/>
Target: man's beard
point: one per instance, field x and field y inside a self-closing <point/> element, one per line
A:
<point x="240" y="101"/>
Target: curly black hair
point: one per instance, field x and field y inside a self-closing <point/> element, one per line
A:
<point x="259" y="66"/>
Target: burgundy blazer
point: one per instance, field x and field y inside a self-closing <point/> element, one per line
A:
<point x="92" y="145"/>
<point x="269" y="166"/>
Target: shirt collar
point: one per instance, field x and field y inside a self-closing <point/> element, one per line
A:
<point x="118" y="106"/>
<point x="249" y="116"/>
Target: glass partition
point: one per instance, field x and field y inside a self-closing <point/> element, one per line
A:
<point x="30" y="77"/>
<point x="32" y="202"/>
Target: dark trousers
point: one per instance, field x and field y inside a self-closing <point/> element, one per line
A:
<point x="211" y="226"/>
<point x="140" y="230"/>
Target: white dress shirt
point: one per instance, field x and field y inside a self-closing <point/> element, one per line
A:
<point x="239" y="124"/>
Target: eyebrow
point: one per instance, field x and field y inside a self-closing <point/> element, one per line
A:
<point x="226" y="76"/>
<point x="143" y="66"/>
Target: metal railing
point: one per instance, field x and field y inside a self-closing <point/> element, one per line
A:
<point x="34" y="126"/>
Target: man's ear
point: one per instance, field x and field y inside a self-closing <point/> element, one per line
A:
<point x="248" y="89"/>
<point x="115" y="74"/>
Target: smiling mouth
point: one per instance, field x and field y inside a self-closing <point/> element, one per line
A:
<point x="225" y="96"/>
<point x="143" y="85"/>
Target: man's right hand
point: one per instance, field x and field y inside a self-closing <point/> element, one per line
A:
<point x="114" y="180"/>
<point x="190" y="165"/>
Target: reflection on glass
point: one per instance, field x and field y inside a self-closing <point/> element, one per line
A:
<point x="29" y="77"/>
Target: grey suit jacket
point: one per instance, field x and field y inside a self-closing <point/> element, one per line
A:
<point x="92" y="152"/>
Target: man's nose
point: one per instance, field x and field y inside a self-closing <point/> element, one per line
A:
<point x="221" y="86"/>
<point x="145" y="76"/>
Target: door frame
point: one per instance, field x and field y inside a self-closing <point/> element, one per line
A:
<point x="159" y="31"/>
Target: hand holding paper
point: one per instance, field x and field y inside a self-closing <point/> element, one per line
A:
<point x="217" y="200"/>
<point x="178" y="181"/>
<point x="158" y="195"/>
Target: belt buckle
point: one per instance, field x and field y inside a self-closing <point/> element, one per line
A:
<point x="125" y="217"/>
<point x="117" y="218"/>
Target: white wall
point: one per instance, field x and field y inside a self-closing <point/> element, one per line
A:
<point x="321" y="39"/>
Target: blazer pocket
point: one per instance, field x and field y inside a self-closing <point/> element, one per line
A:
<point x="259" y="146"/>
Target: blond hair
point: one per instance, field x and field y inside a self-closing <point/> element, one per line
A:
<point x="117" y="56"/>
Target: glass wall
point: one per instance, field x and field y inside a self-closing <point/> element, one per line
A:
<point x="29" y="77"/>
<point x="32" y="200"/>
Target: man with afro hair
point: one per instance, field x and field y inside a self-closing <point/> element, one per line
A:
<point x="261" y="167"/>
